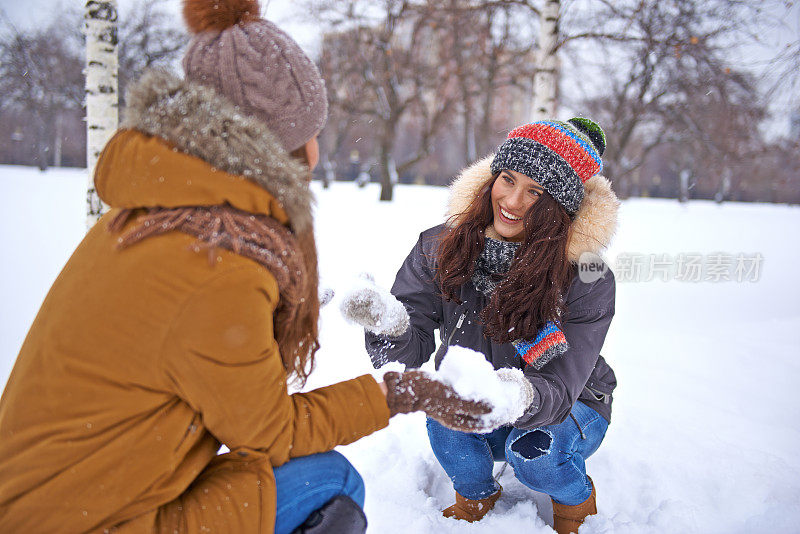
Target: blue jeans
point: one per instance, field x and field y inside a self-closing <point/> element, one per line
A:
<point x="548" y="459"/>
<point x="306" y="483"/>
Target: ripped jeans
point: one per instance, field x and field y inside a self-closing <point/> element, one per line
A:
<point x="548" y="459"/>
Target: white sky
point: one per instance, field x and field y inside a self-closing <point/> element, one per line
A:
<point x="283" y="12"/>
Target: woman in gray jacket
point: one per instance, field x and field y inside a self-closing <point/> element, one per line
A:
<point x="514" y="274"/>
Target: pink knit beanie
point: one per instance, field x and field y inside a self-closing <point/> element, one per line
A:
<point x="256" y="66"/>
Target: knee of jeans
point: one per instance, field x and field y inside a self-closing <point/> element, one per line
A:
<point x="436" y="430"/>
<point x="352" y="483"/>
<point x="532" y="445"/>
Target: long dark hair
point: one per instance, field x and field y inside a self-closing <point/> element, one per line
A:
<point x="297" y="327"/>
<point x="532" y="292"/>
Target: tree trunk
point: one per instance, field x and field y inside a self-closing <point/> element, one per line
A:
<point x="464" y="81"/>
<point x="386" y="163"/>
<point x="470" y="151"/>
<point x="57" y="142"/>
<point x="42" y="144"/>
<point x="724" y="190"/>
<point x="388" y="174"/>
<point x="330" y="173"/>
<point x="545" y="81"/>
<point x="684" y="176"/>
<point x="488" y="91"/>
<point x="102" y="100"/>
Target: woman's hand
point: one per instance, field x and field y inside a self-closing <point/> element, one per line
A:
<point x="417" y="391"/>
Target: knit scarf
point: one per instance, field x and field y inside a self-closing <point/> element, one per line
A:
<point x="493" y="264"/>
<point x="491" y="267"/>
<point x="257" y="237"/>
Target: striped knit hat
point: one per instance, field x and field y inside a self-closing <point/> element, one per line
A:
<point x="561" y="156"/>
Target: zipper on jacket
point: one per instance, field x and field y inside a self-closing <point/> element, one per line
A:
<point x="458" y="325"/>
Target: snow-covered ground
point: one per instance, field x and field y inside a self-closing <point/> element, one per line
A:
<point x="705" y="433"/>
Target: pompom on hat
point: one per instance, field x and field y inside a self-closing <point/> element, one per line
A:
<point x="257" y="66"/>
<point x="561" y="156"/>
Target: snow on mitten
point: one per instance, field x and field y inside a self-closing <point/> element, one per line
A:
<point x="507" y="392"/>
<point x="418" y="391"/>
<point x="521" y="396"/>
<point x="374" y="308"/>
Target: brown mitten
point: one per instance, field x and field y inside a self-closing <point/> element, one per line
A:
<point x="416" y="390"/>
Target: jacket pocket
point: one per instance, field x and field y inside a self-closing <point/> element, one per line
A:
<point x="599" y="390"/>
<point x="601" y="383"/>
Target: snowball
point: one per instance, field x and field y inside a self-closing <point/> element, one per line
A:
<point x="473" y="377"/>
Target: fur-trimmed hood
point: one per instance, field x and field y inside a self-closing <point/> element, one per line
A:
<point x="199" y="122"/>
<point x="591" y="230"/>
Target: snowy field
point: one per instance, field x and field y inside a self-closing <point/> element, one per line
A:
<point x="704" y="436"/>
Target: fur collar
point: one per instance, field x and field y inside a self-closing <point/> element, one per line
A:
<point x="594" y="224"/>
<point x="200" y="122"/>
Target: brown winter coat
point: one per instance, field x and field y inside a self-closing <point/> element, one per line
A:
<point x="143" y="360"/>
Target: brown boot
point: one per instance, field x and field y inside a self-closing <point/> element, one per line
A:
<point x="470" y="510"/>
<point x="567" y="519"/>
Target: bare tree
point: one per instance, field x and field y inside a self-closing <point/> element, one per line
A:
<point x="40" y="75"/>
<point x="412" y="70"/>
<point x="149" y="37"/>
<point x="385" y="67"/>
<point x="492" y="44"/>
<point x="783" y="70"/>
<point x="332" y="138"/>
<point x="42" y="78"/>
<point x="663" y="77"/>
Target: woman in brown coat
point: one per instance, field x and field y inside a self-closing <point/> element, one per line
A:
<point x="174" y="326"/>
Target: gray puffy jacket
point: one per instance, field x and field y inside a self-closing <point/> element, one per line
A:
<point x="581" y="373"/>
<point x="578" y="374"/>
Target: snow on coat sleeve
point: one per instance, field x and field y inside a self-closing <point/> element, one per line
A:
<point x="415" y="288"/>
<point x="223" y="360"/>
<point x="590" y="309"/>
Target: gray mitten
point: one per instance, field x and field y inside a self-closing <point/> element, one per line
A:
<point x="374" y="308"/>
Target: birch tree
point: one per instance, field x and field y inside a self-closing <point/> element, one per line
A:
<point x="545" y="80"/>
<point x="102" y="99"/>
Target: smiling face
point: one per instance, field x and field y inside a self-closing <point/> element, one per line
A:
<point x="513" y="193"/>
